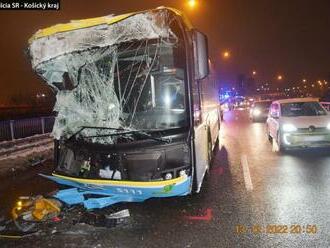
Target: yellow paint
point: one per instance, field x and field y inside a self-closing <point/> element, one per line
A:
<point x="44" y="207"/>
<point x="123" y="183"/>
<point x="10" y="236"/>
<point x="86" y="23"/>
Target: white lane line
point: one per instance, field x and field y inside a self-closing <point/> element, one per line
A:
<point x="246" y="173"/>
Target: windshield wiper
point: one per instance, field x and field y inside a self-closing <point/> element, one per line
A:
<point x="91" y="127"/>
<point x="160" y="139"/>
<point x="142" y="133"/>
<point x="123" y="132"/>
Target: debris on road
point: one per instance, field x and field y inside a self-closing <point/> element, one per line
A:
<point x="103" y="220"/>
<point x="120" y="214"/>
<point x="46" y="216"/>
<point x="36" y="208"/>
<point x="37" y="160"/>
<point x="10" y="230"/>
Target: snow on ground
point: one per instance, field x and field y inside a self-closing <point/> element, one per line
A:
<point x="22" y="154"/>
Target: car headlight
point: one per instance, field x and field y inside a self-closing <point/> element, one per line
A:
<point x="289" y="128"/>
<point x="256" y="112"/>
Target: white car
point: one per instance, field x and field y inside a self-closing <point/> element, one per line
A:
<point x="297" y="123"/>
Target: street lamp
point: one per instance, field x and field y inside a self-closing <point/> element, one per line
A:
<point x="192" y="3"/>
<point x="254" y="73"/>
<point x="226" y="54"/>
<point x="279" y="77"/>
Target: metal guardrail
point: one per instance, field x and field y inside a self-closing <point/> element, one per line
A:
<point x="326" y="105"/>
<point x="17" y="129"/>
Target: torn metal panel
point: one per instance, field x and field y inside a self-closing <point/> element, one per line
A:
<point x="146" y="25"/>
<point x="109" y="192"/>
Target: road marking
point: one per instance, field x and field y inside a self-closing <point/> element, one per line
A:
<point x="205" y="217"/>
<point x="246" y="173"/>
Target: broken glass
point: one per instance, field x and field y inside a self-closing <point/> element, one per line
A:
<point x="128" y="75"/>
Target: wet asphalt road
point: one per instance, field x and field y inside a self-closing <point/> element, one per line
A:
<point x="250" y="189"/>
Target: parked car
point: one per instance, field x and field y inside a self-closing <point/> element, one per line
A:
<point x="259" y="110"/>
<point x="297" y="123"/>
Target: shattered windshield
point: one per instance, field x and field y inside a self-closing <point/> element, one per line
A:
<point x="135" y="85"/>
<point x="149" y="83"/>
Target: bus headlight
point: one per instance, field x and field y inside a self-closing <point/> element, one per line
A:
<point x="289" y="128"/>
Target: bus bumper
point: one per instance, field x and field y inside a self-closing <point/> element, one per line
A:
<point x="102" y="193"/>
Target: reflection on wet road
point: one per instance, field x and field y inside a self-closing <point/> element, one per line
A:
<point x="253" y="197"/>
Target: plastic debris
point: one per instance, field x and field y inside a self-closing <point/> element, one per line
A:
<point x="103" y="220"/>
<point x="36" y="208"/>
<point x="56" y="219"/>
<point x="118" y="215"/>
<point x="11" y="229"/>
<point x="37" y="160"/>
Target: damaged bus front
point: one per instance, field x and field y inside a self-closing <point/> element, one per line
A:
<point x="125" y="128"/>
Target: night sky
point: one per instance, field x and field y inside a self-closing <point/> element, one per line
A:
<point x="287" y="37"/>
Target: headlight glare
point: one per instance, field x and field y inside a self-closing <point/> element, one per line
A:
<point x="289" y="128"/>
<point x="256" y="112"/>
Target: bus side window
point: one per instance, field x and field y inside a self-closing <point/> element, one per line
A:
<point x="196" y="103"/>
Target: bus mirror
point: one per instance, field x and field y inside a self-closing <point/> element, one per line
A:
<point x="201" y="60"/>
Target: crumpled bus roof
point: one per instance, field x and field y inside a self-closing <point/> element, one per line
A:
<point x="79" y="35"/>
<point x="90" y="22"/>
